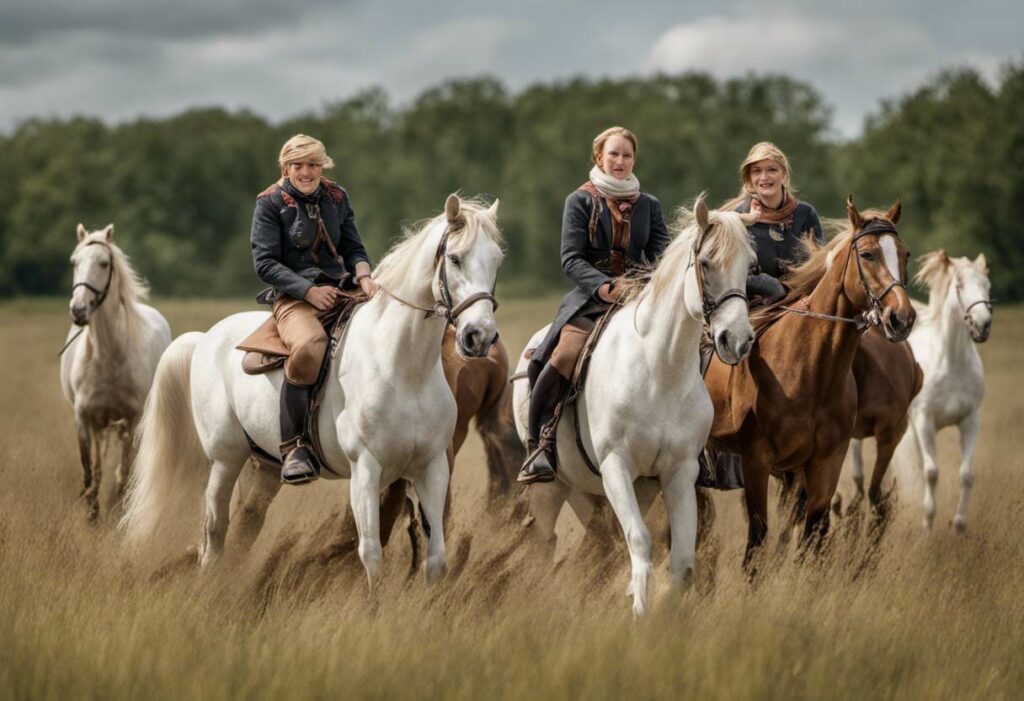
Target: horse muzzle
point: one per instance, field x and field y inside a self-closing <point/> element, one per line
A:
<point x="474" y="342"/>
<point x="732" y="348"/>
<point x="979" y="330"/>
<point x="898" y="324"/>
<point x="80" y="315"/>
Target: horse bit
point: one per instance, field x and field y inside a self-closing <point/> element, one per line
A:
<point x="101" y="295"/>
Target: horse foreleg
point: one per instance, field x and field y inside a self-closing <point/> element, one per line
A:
<point x="618" y="487"/>
<point x="365" y="503"/>
<point x="969" y="427"/>
<point x="432" y="489"/>
<point x="679" y="492"/>
<point x="820" y="481"/>
<point x="125" y="432"/>
<point x="885" y="445"/>
<point x="85" y="453"/>
<point x="857" y="463"/>
<point x="792" y="506"/>
<point x="223" y="476"/>
<point x="755" y="496"/>
<point x="546" y="501"/>
<point x="925" y="431"/>
<point x="258" y="493"/>
<point x="92" y="455"/>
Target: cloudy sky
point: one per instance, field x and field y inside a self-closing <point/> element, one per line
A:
<point x="118" y="59"/>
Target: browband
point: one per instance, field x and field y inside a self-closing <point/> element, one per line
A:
<point x="877" y="226"/>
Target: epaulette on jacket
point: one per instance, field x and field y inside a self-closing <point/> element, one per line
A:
<point x="276" y="189"/>
<point x="334" y="189"/>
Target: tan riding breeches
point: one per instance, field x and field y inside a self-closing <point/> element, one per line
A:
<point x="571" y="340"/>
<point x="302" y="332"/>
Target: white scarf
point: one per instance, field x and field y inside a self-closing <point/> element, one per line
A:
<point x="611" y="187"/>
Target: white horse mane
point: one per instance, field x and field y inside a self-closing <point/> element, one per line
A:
<point x="126" y="285"/>
<point x="394" y="269"/>
<point x="726" y="237"/>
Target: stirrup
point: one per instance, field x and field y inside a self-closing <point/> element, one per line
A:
<point x="303" y="470"/>
<point x="532" y="472"/>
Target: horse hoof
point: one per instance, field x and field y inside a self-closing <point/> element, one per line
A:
<point x="960" y="525"/>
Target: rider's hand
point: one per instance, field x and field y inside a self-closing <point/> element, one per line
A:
<point x="750" y="218"/>
<point x="605" y="294"/>
<point x="322" y="297"/>
<point x="368" y="285"/>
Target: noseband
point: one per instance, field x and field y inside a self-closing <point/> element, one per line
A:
<point x="446" y="307"/>
<point x="710" y="305"/>
<point x="972" y="305"/>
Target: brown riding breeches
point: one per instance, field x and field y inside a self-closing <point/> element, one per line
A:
<point x="573" y="337"/>
<point x="302" y="332"/>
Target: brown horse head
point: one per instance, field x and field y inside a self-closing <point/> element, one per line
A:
<point x="875" y="279"/>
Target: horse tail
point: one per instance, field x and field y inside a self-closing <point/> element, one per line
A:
<point x="505" y="452"/>
<point x="907" y="462"/>
<point x="168" y="476"/>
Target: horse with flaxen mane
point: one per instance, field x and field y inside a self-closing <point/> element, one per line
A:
<point x="790" y="405"/>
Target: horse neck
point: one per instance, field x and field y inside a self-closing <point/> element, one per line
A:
<point x="406" y="339"/>
<point x="113" y="326"/>
<point x="956" y="339"/>
<point x="668" y="331"/>
<point x="829" y="345"/>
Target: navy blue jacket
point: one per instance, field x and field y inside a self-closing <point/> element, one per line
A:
<point x="284" y="230"/>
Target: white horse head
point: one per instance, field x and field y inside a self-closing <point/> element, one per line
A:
<point x="967" y="281"/>
<point x="101" y="270"/>
<point x="462" y="249"/>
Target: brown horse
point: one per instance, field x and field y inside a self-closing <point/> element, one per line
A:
<point x="481" y="390"/>
<point x="790" y="406"/>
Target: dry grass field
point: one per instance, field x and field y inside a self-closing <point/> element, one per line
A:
<point x="918" y="616"/>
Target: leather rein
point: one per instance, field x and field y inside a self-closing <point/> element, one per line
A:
<point x="446" y="307"/>
<point x="101" y="295"/>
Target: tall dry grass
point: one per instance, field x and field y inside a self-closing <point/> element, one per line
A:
<point x="920" y="615"/>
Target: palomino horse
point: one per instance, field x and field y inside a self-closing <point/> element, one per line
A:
<point x="958" y="315"/>
<point x="643" y="410"/>
<point x="111" y="353"/>
<point x="386" y="414"/>
<point x="790" y="406"/>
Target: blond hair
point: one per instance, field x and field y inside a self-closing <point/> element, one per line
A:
<point x="601" y="138"/>
<point x="303" y="149"/>
<point x="761" y="151"/>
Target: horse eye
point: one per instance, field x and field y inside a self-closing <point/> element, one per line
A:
<point x="455" y="260"/>
<point x="705" y="263"/>
<point x="866" y="255"/>
<point x="105" y="264"/>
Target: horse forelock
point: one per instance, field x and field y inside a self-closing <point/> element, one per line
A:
<point x="127" y="285"/>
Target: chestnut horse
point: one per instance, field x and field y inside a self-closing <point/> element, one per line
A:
<point x="790" y="406"/>
<point x="888" y="378"/>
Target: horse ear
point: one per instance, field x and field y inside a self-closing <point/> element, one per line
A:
<point x="108" y="232"/>
<point x="700" y="210"/>
<point x="452" y="206"/>
<point x="893" y="214"/>
<point x="943" y="257"/>
<point x="851" y="211"/>
<point x="981" y="263"/>
<point x="81" y="232"/>
<point x="493" y="209"/>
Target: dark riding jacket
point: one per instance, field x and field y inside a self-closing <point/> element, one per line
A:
<point x="773" y="252"/>
<point x="648" y="239"/>
<point x="285" y="229"/>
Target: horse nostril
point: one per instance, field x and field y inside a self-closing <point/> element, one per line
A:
<point x="471" y="339"/>
<point x="745" y="348"/>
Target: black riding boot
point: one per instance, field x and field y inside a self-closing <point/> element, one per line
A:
<point x="298" y="465"/>
<point x="548" y="390"/>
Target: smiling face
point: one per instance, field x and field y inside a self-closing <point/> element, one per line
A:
<point x="767" y="179"/>
<point x="304" y="176"/>
<point x="617" y="157"/>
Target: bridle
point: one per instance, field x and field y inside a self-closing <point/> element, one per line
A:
<point x="709" y="305"/>
<point x="446" y="307"/>
<point x="101" y="295"/>
<point x="972" y="305"/>
<point x="872" y="317"/>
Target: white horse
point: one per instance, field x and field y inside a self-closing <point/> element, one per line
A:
<point x="110" y="354"/>
<point x="644" y="410"/>
<point x="387" y="412"/>
<point x="958" y="315"/>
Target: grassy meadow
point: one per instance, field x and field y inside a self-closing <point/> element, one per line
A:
<point x="919" y="615"/>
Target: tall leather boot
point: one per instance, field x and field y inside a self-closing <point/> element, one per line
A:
<point x="548" y="390"/>
<point x="298" y="465"/>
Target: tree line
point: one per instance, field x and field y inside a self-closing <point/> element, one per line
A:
<point x="181" y="190"/>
